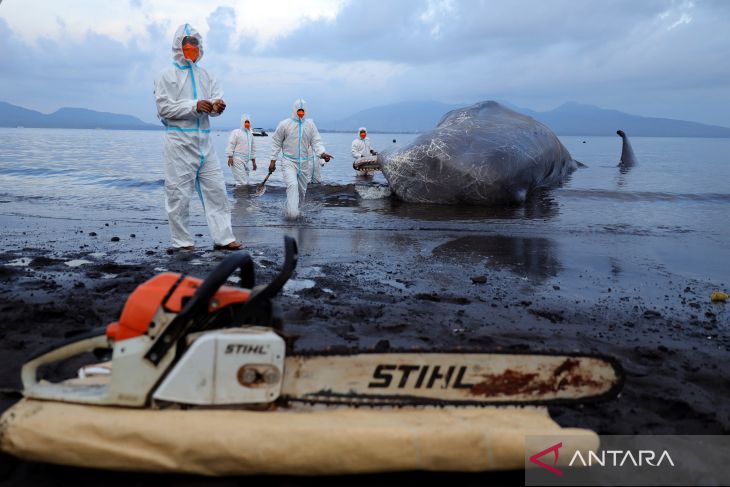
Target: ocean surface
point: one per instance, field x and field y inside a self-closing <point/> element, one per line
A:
<point x="678" y="194"/>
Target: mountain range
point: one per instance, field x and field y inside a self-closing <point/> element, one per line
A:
<point x="568" y="119"/>
<point x="73" y="118"/>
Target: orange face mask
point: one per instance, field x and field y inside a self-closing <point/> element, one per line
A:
<point x="191" y="52"/>
<point x="363" y="135"/>
<point x="300" y="113"/>
<point x="247" y="124"/>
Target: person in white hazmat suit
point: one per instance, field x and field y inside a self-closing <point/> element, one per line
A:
<point x="361" y="148"/>
<point x="186" y="96"/>
<point x="241" y="151"/>
<point x="298" y="140"/>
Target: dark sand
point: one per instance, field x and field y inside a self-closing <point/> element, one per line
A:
<point x="405" y="288"/>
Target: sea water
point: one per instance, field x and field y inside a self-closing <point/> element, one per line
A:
<point x="678" y="193"/>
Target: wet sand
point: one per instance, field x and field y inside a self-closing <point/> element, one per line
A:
<point x="403" y="288"/>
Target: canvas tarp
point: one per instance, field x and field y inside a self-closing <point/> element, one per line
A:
<point x="296" y="442"/>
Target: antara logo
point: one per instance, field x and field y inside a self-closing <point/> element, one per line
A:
<point x="619" y="458"/>
<point x="605" y="458"/>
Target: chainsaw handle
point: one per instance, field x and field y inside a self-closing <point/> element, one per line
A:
<point x="95" y="332"/>
<point x="258" y="310"/>
<point x="238" y="260"/>
<point x="198" y="304"/>
<point x="29" y="372"/>
<point x="218" y="277"/>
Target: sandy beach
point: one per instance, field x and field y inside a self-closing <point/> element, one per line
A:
<point x="404" y="289"/>
<point x="410" y="288"/>
<point x="613" y="263"/>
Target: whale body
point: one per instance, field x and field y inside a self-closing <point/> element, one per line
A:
<point x="484" y="154"/>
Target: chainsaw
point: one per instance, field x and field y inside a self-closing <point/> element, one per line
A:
<point x="186" y="342"/>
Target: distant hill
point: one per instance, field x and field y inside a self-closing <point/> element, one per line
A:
<point x="77" y="118"/>
<point x="397" y="117"/>
<point x="568" y="119"/>
<point x="576" y="119"/>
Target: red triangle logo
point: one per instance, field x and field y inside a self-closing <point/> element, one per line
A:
<point x="555" y="449"/>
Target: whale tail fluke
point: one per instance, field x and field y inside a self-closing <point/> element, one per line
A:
<point x="628" y="159"/>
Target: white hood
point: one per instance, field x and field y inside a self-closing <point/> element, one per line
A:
<point x="245" y="117"/>
<point x="177" y="52"/>
<point x="299" y="103"/>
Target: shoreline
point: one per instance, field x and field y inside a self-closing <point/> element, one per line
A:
<point x="360" y="289"/>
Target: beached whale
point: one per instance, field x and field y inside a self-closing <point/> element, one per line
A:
<point x="628" y="159"/>
<point x="485" y="154"/>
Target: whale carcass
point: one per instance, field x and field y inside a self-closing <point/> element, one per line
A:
<point x="485" y="154"/>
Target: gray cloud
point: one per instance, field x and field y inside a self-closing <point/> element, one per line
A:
<point x="654" y="58"/>
<point x="96" y="72"/>
<point x="618" y="54"/>
<point x="222" y="23"/>
<point x="415" y="32"/>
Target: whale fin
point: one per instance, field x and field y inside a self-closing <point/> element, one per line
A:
<point x="628" y="158"/>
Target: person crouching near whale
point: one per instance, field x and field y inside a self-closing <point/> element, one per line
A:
<point x="241" y="151"/>
<point x="297" y="139"/>
<point x="361" y="148"/>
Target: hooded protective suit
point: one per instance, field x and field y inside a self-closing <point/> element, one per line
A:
<point x="242" y="147"/>
<point x="190" y="160"/>
<point x="299" y="142"/>
<point x="361" y="147"/>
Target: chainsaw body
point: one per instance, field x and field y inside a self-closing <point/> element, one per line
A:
<point x="176" y="341"/>
<point x="188" y="342"/>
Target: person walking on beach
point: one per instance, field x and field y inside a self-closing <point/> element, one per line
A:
<point x="186" y="96"/>
<point x="298" y="140"/>
<point x="361" y="148"/>
<point x="241" y="151"/>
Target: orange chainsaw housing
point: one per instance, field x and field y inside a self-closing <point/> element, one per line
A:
<point x="144" y="302"/>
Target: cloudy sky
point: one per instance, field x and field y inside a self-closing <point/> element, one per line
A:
<point x="663" y="58"/>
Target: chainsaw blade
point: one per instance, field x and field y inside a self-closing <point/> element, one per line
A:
<point x="459" y="379"/>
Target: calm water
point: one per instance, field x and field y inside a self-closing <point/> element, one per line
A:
<point x="681" y="186"/>
<point x="45" y="170"/>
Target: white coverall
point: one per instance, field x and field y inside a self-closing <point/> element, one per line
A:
<point x="191" y="163"/>
<point x="242" y="147"/>
<point x="298" y="140"/>
<point x="362" y="148"/>
<point x="316" y="171"/>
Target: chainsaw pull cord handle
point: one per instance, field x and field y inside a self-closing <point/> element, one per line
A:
<point x="197" y="307"/>
<point x="259" y="303"/>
